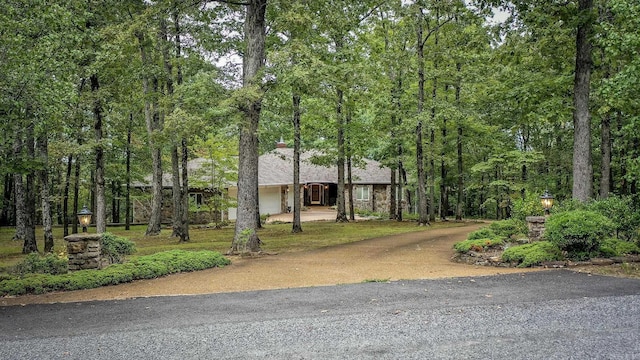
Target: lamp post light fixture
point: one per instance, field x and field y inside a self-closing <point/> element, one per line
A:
<point x="84" y="218"/>
<point x="547" y="202"/>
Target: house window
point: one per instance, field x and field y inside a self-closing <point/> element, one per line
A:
<point x="195" y="199"/>
<point x="362" y="193"/>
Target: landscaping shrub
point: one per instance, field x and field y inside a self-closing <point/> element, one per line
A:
<point x="532" y="254"/>
<point x="478" y="245"/>
<point x="484" y="233"/>
<point x="616" y="247"/>
<point x="34" y="263"/>
<point x="508" y="228"/>
<point x="144" y="267"/>
<point x="578" y="232"/>
<point x="116" y="247"/>
<point x="624" y="214"/>
<point x="531" y="206"/>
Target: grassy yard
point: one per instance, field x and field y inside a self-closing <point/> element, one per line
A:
<point x="276" y="237"/>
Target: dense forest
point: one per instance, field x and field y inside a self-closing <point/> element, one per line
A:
<point x="475" y="105"/>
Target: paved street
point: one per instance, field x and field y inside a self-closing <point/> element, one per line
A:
<point x="542" y="315"/>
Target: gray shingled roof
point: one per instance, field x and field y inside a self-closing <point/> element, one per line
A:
<point x="276" y="168"/>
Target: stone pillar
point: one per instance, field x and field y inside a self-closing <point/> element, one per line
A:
<point x="536" y="227"/>
<point x="84" y="251"/>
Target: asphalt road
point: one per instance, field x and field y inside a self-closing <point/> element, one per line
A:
<point x="542" y="315"/>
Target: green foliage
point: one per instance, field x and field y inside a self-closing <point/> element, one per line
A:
<point x="144" y="267"/>
<point x="532" y="254"/>
<point x="478" y="244"/>
<point x="623" y="212"/>
<point x="615" y="247"/>
<point x="36" y="264"/>
<point x="531" y="206"/>
<point x="115" y="247"/>
<point x="508" y="228"/>
<point x="578" y="232"/>
<point x="483" y="233"/>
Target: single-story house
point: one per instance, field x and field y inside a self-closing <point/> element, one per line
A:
<point x="319" y="185"/>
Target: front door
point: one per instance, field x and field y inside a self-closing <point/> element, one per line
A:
<point x="316" y="194"/>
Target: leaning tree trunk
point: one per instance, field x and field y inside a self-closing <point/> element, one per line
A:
<point x="297" y="225"/>
<point x="582" y="167"/>
<point x="246" y="238"/>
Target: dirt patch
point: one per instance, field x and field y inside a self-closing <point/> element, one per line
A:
<point x="421" y="255"/>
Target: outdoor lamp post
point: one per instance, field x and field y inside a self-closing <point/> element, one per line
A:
<point x="547" y="201"/>
<point x="84" y="218"/>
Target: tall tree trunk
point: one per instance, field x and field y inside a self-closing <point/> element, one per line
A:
<point x="352" y="214"/>
<point x="582" y="167"/>
<point x="127" y="195"/>
<point x="76" y="194"/>
<point x="297" y="225"/>
<point x="176" y="191"/>
<point x="176" y="188"/>
<point x="184" y="192"/>
<point x="246" y="237"/>
<point x="152" y="121"/>
<point x="460" y="196"/>
<point x="65" y="196"/>
<point x="30" y="245"/>
<point x="605" y="149"/>
<point x="341" y="214"/>
<point x="348" y="150"/>
<point x="8" y="213"/>
<point x="101" y="206"/>
<point x="19" y="190"/>
<point x="422" y="199"/>
<point x="43" y="151"/>
<point x="392" y="194"/>
<point x="444" y="196"/>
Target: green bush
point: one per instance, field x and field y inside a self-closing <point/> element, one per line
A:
<point x="484" y="233"/>
<point x="532" y="254"/>
<point x="34" y="263"/>
<point x="478" y="244"/>
<point x="508" y="228"/>
<point x="616" y="247"/>
<point x="578" y="232"/>
<point x="622" y="212"/>
<point x="144" y="267"/>
<point x="531" y="206"/>
<point x="116" y="247"/>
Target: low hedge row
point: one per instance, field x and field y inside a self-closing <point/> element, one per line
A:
<point x="144" y="267"/>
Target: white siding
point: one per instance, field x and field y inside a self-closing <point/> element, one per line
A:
<point x="269" y="200"/>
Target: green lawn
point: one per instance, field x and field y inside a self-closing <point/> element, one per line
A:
<point x="276" y="237"/>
